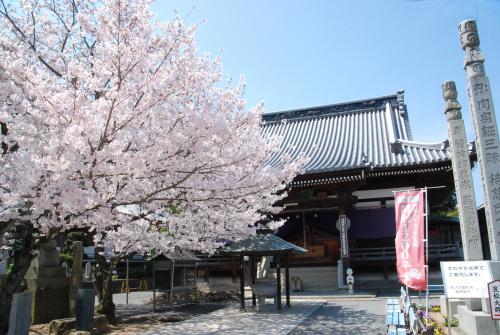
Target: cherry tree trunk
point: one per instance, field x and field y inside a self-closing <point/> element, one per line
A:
<point x="103" y="284"/>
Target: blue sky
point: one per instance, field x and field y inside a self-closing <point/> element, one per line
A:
<point x="307" y="53"/>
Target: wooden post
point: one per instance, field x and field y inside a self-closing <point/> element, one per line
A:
<point x="233" y="270"/>
<point x="287" y="280"/>
<point x="304" y="229"/>
<point x="127" y="283"/>
<point x="172" y="285"/>
<point x="242" y="283"/>
<point x="278" y="280"/>
<point x="252" y="276"/>
<point x="206" y="274"/>
<point x="154" y="290"/>
<point x="76" y="276"/>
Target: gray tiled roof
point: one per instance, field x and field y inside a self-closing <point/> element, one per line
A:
<point x="373" y="132"/>
<point x="263" y="244"/>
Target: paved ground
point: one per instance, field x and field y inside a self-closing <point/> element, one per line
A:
<point x="231" y="321"/>
<point x="339" y="317"/>
<point x="318" y="313"/>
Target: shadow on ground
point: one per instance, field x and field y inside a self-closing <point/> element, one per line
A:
<point x="332" y="318"/>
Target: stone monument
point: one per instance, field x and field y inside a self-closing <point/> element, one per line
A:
<point x="19" y="318"/>
<point x="469" y="225"/>
<point x="343" y="224"/>
<point x="76" y="275"/>
<point x="486" y="130"/>
<point x="85" y="301"/>
<point x="4" y="259"/>
<point x="88" y="271"/>
<point x="47" y="282"/>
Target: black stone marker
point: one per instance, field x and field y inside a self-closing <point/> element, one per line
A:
<point x="85" y="301"/>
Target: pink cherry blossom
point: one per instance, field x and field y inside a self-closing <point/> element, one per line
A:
<point x="123" y="128"/>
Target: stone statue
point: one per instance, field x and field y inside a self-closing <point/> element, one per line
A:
<point x="468" y="34"/>
<point x="350" y="280"/>
<point x="453" y="107"/>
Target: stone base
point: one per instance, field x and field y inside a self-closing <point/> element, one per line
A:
<point x="475" y="322"/>
<point x="67" y="326"/>
<point x="454" y="303"/>
<point x="49" y="304"/>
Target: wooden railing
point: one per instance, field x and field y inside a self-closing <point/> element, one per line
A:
<point x="436" y="251"/>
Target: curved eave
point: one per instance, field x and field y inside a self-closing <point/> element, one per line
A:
<point x="350" y="176"/>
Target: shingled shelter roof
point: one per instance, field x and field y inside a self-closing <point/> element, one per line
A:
<point x="263" y="244"/>
<point x="372" y="133"/>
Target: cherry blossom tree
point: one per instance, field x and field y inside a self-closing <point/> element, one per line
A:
<point x="121" y="127"/>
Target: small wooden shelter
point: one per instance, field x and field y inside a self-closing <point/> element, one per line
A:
<point x="264" y="245"/>
<point x="174" y="272"/>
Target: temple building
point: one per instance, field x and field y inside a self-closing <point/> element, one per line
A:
<point x="359" y="153"/>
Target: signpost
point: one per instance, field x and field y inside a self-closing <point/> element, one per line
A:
<point x="494" y="294"/>
<point x="343" y="223"/>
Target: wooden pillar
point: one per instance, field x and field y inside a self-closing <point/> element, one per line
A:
<point x="206" y="274"/>
<point x="154" y="290"/>
<point x="252" y="276"/>
<point x="287" y="281"/>
<point x="172" y="285"/>
<point x="278" y="280"/>
<point x="304" y="229"/>
<point x="242" y="283"/>
<point x="127" y="286"/>
<point x="233" y="270"/>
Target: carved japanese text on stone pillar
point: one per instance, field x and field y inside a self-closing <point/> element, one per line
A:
<point x="469" y="225"/>
<point x="486" y="130"/>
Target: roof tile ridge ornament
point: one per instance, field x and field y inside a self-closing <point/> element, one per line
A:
<point x="401" y="102"/>
<point x="397" y="147"/>
<point x="403" y="113"/>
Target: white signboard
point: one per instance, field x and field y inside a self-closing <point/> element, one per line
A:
<point x="494" y="293"/>
<point x="466" y="279"/>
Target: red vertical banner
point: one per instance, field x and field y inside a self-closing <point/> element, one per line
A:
<point x="410" y="246"/>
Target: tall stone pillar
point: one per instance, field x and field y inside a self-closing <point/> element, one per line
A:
<point x="486" y="130"/>
<point x="343" y="224"/>
<point x="469" y="224"/>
